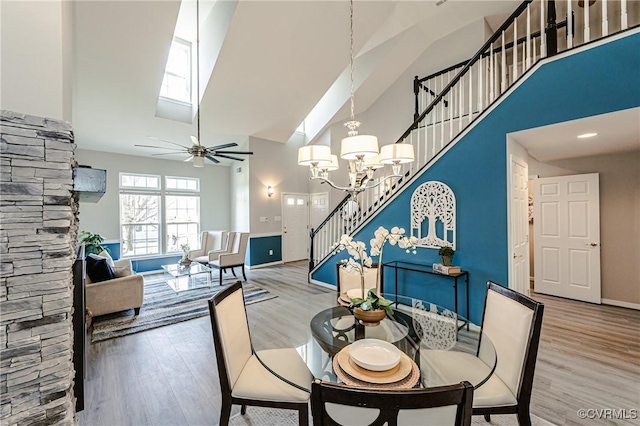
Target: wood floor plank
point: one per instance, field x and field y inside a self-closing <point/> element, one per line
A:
<point x="589" y="357"/>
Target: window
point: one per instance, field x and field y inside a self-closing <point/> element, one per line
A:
<point x="182" y="212"/>
<point x="141" y="223"/>
<point x="176" y="83"/>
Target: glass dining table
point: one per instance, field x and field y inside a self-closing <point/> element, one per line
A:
<point x="322" y="327"/>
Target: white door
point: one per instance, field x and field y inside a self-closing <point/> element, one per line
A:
<point x="519" y="235"/>
<point x="295" y="226"/>
<point x="319" y="203"/>
<point x="566" y="228"/>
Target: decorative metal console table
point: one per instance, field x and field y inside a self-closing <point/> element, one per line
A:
<point x="427" y="269"/>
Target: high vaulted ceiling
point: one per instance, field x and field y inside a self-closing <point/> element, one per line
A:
<point x="276" y="60"/>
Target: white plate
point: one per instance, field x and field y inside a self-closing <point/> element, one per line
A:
<point x="356" y="293"/>
<point x="374" y="354"/>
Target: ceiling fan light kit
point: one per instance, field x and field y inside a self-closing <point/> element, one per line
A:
<point x="361" y="151"/>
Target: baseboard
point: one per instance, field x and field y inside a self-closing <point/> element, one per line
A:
<point x="322" y="284"/>
<point x="611" y="302"/>
<point x="264" y="265"/>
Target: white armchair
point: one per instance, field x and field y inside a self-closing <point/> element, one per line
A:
<point x="235" y="257"/>
<point x="211" y="244"/>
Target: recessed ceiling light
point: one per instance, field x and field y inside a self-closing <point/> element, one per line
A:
<point x="587" y="135"/>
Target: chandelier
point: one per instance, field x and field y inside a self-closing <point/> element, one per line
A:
<point x="361" y="151"/>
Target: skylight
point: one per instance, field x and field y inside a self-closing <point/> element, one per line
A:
<point x="176" y="83"/>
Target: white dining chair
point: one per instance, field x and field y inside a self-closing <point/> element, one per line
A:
<point x="244" y="380"/>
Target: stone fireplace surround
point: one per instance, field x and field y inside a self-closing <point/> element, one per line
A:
<point x="38" y="233"/>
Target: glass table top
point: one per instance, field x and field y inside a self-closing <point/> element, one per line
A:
<point x="177" y="270"/>
<point x="319" y="328"/>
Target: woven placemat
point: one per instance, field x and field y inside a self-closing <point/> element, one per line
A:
<point x="410" y="381"/>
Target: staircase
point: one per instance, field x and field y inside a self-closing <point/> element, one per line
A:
<point x="449" y="102"/>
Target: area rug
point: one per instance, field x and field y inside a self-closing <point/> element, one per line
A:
<point x="162" y="306"/>
<point x="259" y="416"/>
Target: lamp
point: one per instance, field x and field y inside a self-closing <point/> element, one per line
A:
<point x="198" y="161"/>
<point x="269" y="191"/>
<point x="360" y="150"/>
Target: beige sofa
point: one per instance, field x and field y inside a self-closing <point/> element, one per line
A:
<point x="118" y="294"/>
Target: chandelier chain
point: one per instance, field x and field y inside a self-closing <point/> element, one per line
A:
<point x="351" y="57"/>
<point x="198" y="63"/>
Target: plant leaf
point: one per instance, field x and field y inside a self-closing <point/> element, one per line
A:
<point x="366" y="306"/>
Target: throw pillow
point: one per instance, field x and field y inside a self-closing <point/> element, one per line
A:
<point x="107" y="256"/>
<point x="123" y="271"/>
<point x="99" y="269"/>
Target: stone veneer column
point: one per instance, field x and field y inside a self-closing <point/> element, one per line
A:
<point x="38" y="233"/>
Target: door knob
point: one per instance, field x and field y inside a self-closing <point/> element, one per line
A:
<point x="516" y="255"/>
<point x="593" y="244"/>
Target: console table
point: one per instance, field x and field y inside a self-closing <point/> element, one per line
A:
<point x="427" y="269"/>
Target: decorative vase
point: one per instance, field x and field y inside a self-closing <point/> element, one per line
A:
<point x="185" y="261"/>
<point x="371" y="317"/>
<point x="446" y="260"/>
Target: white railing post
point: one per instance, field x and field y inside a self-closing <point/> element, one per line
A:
<point x="528" y="42"/>
<point x="605" y="19"/>
<point x="569" y="25"/>
<point x="587" y="31"/>
<point x="470" y="94"/>
<point x="624" y="24"/>
<point x="515" y="50"/>
<point x="491" y="72"/>
<point x="543" y="34"/>
<point x="503" y="56"/>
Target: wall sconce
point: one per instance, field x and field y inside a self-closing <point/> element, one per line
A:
<point x="269" y="191"/>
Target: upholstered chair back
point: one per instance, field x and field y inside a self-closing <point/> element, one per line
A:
<point x="214" y="240"/>
<point x="231" y="331"/>
<point x="238" y="252"/>
<point x="334" y="404"/>
<point x="348" y="281"/>
<point x="509" y="325"/>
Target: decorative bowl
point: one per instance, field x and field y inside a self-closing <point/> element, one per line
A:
<point x="374" y="354"/>
<point x="371" y="317"/>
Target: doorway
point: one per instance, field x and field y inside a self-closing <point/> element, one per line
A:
<point x="295" y="226"/>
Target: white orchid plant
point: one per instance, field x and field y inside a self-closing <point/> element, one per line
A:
<point x="360" y="259"/>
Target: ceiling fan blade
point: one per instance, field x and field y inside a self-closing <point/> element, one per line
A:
<point x="166" y="141"/>
<point x="226" y="145"/>
<point x="195" y="140"/>
<point x="228" y="156"/>
<point x="188" y="159"/>
<point x="236" y="152"/>
<point x="210" y="158"/>
<point x="168" y="153"/>
<point x="152" y="146"/>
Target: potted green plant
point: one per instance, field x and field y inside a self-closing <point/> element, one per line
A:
<point x="372" y="309"/>
<point x="93" y="242"/>
<point x="446" y="254"/>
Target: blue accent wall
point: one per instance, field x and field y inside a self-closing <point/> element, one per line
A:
<point x="599" y="80"/>
<point x="259" y="247"/>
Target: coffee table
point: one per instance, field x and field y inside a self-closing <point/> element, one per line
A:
<point x="188" y="277"/>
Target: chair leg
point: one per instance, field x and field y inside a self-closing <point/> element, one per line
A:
<point x="136" y="311"/>
<point x="220" y="280"/>
<point x="243" y="409"/>
<point x="487" y="417"/>
<point x="233" y="271"/>
<point x="303" y="415"/>
<point x="243" y="275"/>
<point x="225" y="412"/>
<point x="524" y="419"/>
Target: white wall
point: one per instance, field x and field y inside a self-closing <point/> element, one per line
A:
<point x="103" y="217"/>
<point x="32" y="63"/>
<point x="392" y="113"/>
<point x="274" y="164"/>
<point x="240" y="202"/>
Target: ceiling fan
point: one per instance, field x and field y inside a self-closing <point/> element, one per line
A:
<point x="197" y="152"/>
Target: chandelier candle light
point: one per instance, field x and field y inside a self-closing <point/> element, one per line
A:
<point x="360" y="150"/>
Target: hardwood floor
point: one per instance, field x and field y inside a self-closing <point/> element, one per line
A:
<point x="589" y="358"/>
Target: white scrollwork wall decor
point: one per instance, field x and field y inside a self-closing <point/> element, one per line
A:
<point x="434" y="202"/>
